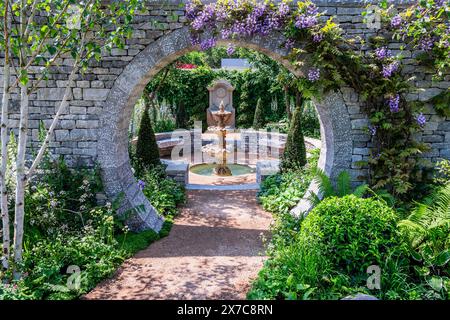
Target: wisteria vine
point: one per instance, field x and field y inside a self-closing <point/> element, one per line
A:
<point x="337" y="61"/>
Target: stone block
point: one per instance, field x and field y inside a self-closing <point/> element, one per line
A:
<point x="95" y="94"/>
<point x="87" y="124"/>
<point x="51" y="94"/>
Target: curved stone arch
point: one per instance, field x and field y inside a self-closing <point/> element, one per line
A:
<point x="113" y="154"/>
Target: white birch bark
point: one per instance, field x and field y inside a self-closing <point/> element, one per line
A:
<point x="19" y="212"/>
<point x="4" y="144"/>
<point x="60" y="110"/>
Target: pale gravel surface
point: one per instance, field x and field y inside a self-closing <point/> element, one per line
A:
<point x="213" y="252"/>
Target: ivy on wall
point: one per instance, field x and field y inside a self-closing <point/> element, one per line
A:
<point x="339" y="61"/>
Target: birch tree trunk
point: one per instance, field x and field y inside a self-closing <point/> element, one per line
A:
<point x="60" y="110"/>
<point x="4" y="143"/>
<point x="19" y="212"/>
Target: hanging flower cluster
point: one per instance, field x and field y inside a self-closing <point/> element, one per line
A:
<point x="229" y="19"/>
<point x="423" y="26"/>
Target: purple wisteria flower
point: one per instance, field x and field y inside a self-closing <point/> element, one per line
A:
<point x="230" y="49"/>
<point x="394" y="103"/>
<point x="382" y="53"/>
<point x="222" y="13"/>
<point x="204" y="18"/>
<point x="239" y="28"/>
<point x="312" y="10"/>
<point x="318" y="37"/>
<point x="191" y="10"/>
<point x="426" y="44"/>
<point x="207" y="44"/>
<point x="283" y="9"/>
<point x="314" y="75"/>
<point x="396" y="21"/>
<point x="226" y="33"/>
<point x="141" y="184"/>
<point x="373" y="130"/>
<point x="304" y="21"/>
<point x="389" y="69"/>
<point x="289" y="44"/>
<point x="421" y="120"/>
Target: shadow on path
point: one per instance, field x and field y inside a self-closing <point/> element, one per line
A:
<point x="213" y="252"/>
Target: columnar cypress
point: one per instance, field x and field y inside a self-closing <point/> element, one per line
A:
<point x="147" y="152"/>
<point x="258" y="119"/>
<point x="294" y="156"/>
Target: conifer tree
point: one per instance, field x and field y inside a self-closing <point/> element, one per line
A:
<point x="294" y="156"/>
<point x="259" y="120"/>
<point x="147" y="152"/>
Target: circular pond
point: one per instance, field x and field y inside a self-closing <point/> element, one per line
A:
<point x="207" y="169"/>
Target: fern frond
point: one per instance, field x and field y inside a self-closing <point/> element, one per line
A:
<point x="313" y="199"/>
<point x="324" y="183"/>
<point x="343" y="185"/>
<point x="361" y="190"/>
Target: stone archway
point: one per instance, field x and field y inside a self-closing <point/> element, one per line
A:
<point x="113" y="154"/>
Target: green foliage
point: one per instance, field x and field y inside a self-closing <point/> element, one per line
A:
<point x="62" y="201"/>
<point x="427" y="231"/>
<point x="342" y="188"/>
<point x="185" y="90"/>
<point x="66" y="232"/>
<point x="329" y="255"/>
<point x="424" y="20"/>
<point x="165" y="125"/>
<point x="163" y="193"/>
<point x="310" y="121"/>
<point x="281" y="192"/>
<point x="258" y="118"/>
<point x="443" y="172"/>
<point x="132" y="242"/>
<point x="441" y="103"/>
<point x="294" y="156"/>
<point x="147" y="152"/>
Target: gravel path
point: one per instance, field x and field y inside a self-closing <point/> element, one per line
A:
<point x="213" y="252"/>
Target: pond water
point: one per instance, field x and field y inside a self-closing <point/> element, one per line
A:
<point x="207" y="169"/>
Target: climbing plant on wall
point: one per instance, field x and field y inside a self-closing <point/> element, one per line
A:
<point x="186" y="87"/>
<point x="337" y="60"/>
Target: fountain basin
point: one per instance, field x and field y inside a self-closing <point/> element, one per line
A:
<point x="207" y="169"/>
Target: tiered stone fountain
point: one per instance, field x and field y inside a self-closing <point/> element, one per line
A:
<point x="219" y="151"/>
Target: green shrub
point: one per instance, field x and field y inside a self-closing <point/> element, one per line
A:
<point x="258" y="119"/>
<point x="443" y="172"/>
<point x="329" y="256"/>
<point x="281" y="126"/>
<point x="354" y="232"/>
<point x="62" y="201"/>
<point x="163" y="193"/>
<point x="281" y="192"/>
<point x="147" y="152"/>
<point x="165" y="125"/>
<point x="294" y="156"/>
<point x="310" y="121"/>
